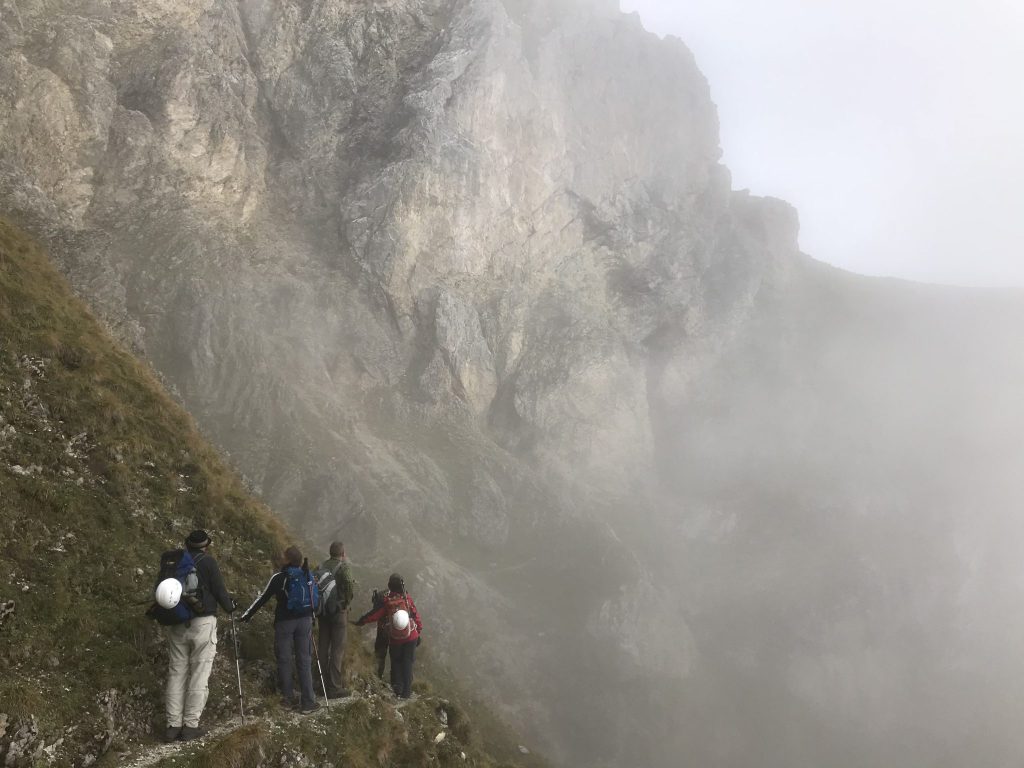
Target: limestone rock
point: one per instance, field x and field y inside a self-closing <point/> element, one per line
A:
<point x="464" y="282"/>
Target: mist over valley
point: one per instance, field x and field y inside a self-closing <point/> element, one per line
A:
<point x="466" y="284"/>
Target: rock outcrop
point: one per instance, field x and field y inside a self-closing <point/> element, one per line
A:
<point x="464" y="282"/>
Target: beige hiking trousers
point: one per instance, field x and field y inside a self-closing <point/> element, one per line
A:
<point x="191" y="649"/>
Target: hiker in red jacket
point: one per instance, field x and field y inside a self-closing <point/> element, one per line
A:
<point x="399" y="614"/>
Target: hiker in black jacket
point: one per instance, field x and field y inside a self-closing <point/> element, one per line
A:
<point x="191" y="646"/>
<point x="380" y="642"/>
<point x="293" y="632"/>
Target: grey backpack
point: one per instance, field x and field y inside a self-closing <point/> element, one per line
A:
<point x="330" y="600"/>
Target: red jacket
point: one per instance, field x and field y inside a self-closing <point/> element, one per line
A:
<point x="383" y="614"/>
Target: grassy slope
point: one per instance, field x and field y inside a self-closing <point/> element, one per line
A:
<point x="99" y="472"/>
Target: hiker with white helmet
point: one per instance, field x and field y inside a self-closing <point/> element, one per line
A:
<point x="188" y="591"/>
<point x="399" y="614"/>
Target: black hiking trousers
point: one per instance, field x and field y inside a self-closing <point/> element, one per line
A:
<point x="402" y="657"/>
<point x="380" y="650"/>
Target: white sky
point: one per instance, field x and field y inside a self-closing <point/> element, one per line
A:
<point x="896" y="127"/>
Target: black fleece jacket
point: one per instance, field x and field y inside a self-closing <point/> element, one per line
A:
<point x="276" y="588"/>
<point x="211" y="585"/>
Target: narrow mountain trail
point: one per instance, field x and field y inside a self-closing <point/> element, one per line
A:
<point x="153" y="755"/>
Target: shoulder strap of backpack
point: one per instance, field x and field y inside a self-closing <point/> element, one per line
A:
<point x="195" y="564"/>
<point x="395" y="605"/>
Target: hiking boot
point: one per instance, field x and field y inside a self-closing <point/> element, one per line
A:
<point x="341" y="693"/>
<point x="311" y="708"/>
<point x="190" y="734"/>
<point x="289" y="703"/>
<point x="172" y="734"/>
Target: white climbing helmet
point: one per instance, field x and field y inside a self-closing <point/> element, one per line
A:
<point x="168" y="593"/>
<point x="400" y="619"/>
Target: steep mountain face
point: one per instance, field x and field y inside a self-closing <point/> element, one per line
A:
<point x="100" y="471"/>
<point x="465" y="283"/>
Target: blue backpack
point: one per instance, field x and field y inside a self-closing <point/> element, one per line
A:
<point x="179" y="564"/>
<point x="302" y="590"/>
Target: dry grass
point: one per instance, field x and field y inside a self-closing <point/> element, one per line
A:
<point x="244" y="748"/>
<point x="122" y="474"/>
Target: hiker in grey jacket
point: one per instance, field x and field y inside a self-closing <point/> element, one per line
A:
<point x="333" y="628"/>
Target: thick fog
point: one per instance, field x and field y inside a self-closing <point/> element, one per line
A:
<point x="894" y="127"/>
<point x="465" y="285"/>
<point x="845" y="478"/>
<point x="851" y="564"/>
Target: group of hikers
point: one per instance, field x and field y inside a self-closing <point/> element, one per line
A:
<point x="190" y="588"/>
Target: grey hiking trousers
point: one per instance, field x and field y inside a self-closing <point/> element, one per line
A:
<point x="295" y="636"/>
<point x="332" y="651"/>
<point x="190" y="648"/>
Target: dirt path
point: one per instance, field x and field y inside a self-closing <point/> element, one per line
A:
<point x="154" y="755"/>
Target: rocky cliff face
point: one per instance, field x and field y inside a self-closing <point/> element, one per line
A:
<point x="464" y="282"/>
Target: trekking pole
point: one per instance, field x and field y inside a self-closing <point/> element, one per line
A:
<point x="238" y="668"/>
<point x="312" y="641"/>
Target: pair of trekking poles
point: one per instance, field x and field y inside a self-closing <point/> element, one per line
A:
<point x="316" y="653"/>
